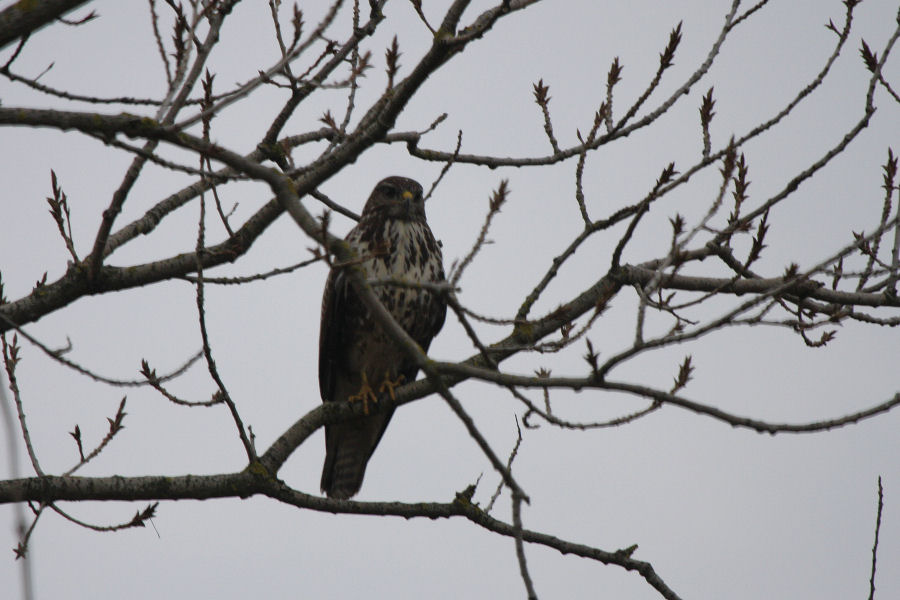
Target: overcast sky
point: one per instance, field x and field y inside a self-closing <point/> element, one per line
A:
<point x="719" y="512"/>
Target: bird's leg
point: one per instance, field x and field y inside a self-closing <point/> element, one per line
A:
<point x="389" y="384"/>
<point x="365" y="394"/>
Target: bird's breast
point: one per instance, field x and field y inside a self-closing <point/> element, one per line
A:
<point x="406" y="252"/>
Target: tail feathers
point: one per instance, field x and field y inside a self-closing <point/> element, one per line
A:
<point x="344" y="469"/>
<point x="348" y="447"/>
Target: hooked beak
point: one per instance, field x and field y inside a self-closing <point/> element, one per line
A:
<point x="407" y="201"/>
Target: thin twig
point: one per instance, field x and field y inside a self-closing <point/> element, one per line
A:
<point x="875" y="543"/>
<point x="57" y="356"/>
<point x="496" y="201"/>
<point x="207" y="351"/>
<point x="509" y="462"/>
<point x="136" y="521"/>
<point x="115" y="426"/>
<point x="520" y="546"/>
<point x="10" y="359"/>
<point x="20" y="522"/>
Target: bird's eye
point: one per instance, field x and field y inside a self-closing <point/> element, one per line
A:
<point x="389" y="191"/>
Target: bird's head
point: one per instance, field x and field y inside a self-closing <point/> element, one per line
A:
<point x="397" y="198"/>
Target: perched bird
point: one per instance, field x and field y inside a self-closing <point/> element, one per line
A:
<point x="357" y="359"/>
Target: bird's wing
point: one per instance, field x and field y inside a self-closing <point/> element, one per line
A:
<point x="332" y="331"/>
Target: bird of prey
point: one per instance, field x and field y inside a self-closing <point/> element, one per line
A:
<point x="357" y="359"/>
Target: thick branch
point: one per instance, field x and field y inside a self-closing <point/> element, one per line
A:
<point x="255" y="480"/>
<point x="75" y="283"/>
<point x="24" y="18"/>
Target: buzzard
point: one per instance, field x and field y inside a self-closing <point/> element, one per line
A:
<point x="357" y="359"/>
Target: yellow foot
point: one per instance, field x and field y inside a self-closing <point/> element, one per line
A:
<point x="389" y="385"/>
<point x="365" y="394"/>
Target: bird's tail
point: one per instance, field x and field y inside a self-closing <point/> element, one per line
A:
<point x="348" y="447"/>
<point x="344" y="469"/>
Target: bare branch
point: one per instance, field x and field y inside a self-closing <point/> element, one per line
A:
<point x="875" y="543"/>
<point x="23" y="19"/>
<point x="498" y="198"/>
<point x="222" y="394"/>
<point x="10" y="360"/>
<point x="137" y="520"/>
<point x="520" y="547"/>
<point x="245" y="483"/>
<point x="115" y="426"/>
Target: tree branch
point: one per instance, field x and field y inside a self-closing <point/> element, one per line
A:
<point x="24" y="18"/>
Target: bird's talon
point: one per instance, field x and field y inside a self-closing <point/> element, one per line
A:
<point x="389" y="385"/>
<point x="365" y="394"/>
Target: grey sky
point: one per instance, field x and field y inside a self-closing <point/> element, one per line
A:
<point x="719" y="512"/>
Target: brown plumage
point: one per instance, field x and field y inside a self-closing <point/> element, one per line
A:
<point x="392" y="240"/>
